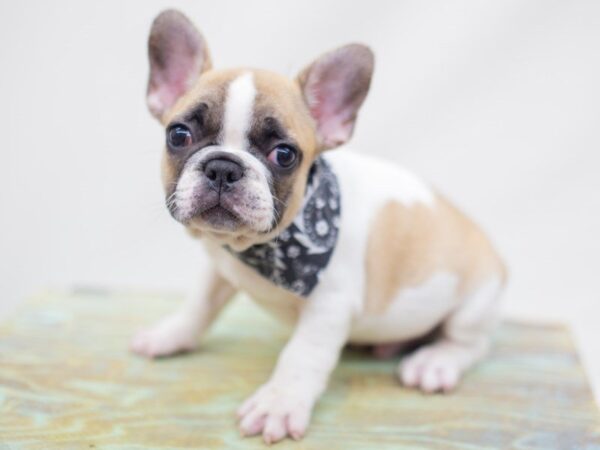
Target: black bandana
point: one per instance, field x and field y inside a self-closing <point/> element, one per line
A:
<point x="296" y="258"/>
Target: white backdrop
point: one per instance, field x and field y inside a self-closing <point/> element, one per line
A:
<point x="496" y="103"/>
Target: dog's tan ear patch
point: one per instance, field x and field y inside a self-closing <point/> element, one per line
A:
<point x="334" y="87"/>
<point x="178" y="54"/>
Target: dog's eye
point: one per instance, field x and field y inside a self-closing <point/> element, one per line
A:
<point x="179" y="136"/>
<point x="283" y="156"/>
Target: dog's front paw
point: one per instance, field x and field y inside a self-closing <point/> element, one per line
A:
<point x="173" y="334"/>
<point x="276" y="413"/>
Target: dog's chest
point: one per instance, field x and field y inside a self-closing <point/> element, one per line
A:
<point x="281" y="302"/>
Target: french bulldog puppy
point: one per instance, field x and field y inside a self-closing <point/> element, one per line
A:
<point x="346" y="248"/>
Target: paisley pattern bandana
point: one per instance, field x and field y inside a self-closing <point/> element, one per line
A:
<point x="297" y="257"/>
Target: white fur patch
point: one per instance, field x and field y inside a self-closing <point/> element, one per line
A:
<point x="380" y="181"/>
<point x="413" y="312"/>
<point x="187" y="183"/>
<point x="478" y="312"/>
<point x="238" y="111"/>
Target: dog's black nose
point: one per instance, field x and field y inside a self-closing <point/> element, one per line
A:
<point x="223" y="172"/>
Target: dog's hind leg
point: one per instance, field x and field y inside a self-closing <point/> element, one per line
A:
<point x="464" y="340"/>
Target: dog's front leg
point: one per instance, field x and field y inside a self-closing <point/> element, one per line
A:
<point x="283" y="405"/>
<point x="181" y="330"/>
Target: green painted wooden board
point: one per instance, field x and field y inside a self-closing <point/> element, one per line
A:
<point x="68" y="382"/>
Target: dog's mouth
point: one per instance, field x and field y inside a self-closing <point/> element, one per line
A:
<point x="243" y="208"/>
<point x="219" y="216"/>
<point x="206" y="210"/>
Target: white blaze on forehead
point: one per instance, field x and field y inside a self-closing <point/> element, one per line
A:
<point x="239" y="106"/>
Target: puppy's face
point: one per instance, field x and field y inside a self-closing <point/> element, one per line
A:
<point x="240" y="142"/>
<point x="239" y="145"/>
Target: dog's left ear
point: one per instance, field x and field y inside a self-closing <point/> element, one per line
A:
<point x="178" y="54"/>
<point x="334" y="87"/>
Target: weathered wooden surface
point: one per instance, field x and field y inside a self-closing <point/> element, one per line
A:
<point x="68" y="382"/>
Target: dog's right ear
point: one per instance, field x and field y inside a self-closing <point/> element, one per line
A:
<point x="178" y="54"/>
